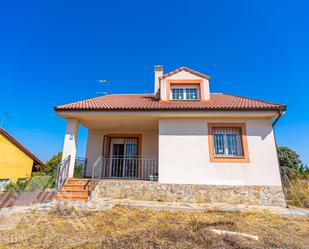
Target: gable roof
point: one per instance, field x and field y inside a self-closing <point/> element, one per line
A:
<point x="186" y="70"/>
<point x="147" y="102"/>
<point x="21" y="147"/>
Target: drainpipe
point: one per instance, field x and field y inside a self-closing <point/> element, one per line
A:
<point x="280" y="113"/>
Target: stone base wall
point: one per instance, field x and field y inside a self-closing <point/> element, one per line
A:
<point x="154" y="191"/>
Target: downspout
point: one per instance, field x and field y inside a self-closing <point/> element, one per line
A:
<point x="280" y="113"/>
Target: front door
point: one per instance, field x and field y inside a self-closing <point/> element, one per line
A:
<point x="123" y="157"/>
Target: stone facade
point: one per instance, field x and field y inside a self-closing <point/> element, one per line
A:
<point x="154" y="191"/>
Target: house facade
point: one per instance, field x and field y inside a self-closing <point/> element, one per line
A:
<point x="16" y="161"/>
<point x="182" y="142"/>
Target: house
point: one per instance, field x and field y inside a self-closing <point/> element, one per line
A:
<point x="16" y="161"/>
<point x="180" y="143"/>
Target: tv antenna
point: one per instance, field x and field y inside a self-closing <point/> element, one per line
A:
<point x="105" y="85"/>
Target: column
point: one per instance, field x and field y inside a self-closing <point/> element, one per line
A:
<point x="70" y="143"/>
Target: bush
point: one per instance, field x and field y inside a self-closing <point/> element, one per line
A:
<point x="289" y="161"/>
<point x="295" y="177"/>
<point x="298" y="192"/>
<point x="52" y="167"/>
<point x="36" y="183"/>
<point x="16" y="187"/>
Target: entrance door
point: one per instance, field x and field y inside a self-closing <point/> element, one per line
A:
<point x="123" y="157"/>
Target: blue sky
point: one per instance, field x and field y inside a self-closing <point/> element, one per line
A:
<point x="52" y="52"/>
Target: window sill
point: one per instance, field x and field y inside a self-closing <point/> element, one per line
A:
<point x="195" y="100"/>
<point x="229" y="159"/>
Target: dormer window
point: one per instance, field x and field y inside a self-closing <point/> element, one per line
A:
<point x="184" y="93"/>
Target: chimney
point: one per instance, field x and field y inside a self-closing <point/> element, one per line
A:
<point x="158" y="71"/>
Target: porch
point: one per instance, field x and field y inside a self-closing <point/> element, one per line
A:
<point x="117" y="148"/>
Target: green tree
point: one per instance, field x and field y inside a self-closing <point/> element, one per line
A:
<point x="52" y="164"/>
<point x="290" y="163"/>
<point x="304" y="170"/>
<point x="52" y="167"/>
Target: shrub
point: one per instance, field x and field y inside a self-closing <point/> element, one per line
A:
<point x="36" y="183"/>
<point x="289" y="161"/>
<point x="295" y="177"/>
<point x="298" y="192"/>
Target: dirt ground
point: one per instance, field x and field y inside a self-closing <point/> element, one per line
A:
<point x="122" y="227"/>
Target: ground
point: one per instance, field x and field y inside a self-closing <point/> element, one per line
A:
<point x="127" y="227"/>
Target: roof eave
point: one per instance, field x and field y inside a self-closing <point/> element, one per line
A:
<point x="186" y="70"/>
<point x="281" y="108"/>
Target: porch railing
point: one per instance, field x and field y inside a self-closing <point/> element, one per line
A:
<point x="139" y="168"/>
<point x="62" y="173"/>
<point x="96" y="172"/>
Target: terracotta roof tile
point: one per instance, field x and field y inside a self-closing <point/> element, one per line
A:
<point x="147" y="102"/>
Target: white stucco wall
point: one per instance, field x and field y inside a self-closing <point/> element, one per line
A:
<point x="183" y="75"/>
<point x="70" y="143"/>
<point x="95" y="144"/>
<point x="184" y="154"/>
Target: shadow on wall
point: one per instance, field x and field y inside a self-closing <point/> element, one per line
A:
<point x="185" y="127"/>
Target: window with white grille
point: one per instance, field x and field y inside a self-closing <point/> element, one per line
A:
<point x="227" y="142"/>
<point x="185" y="93"/>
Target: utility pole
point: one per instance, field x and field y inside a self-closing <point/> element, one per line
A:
<point x="105" y="83"/>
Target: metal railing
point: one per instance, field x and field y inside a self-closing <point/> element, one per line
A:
<point x="96" y="172"/>
<point x="139" y="168"/>
<point x="62" y="173"/>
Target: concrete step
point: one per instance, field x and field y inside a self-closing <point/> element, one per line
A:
<point x="74" y="186"/>
<point x="70" y="198"/>
<point x="73" y="194"/>
<point x="74" y="189"/>
<point x="77" y="190"/>
<point x="78" y="181"/>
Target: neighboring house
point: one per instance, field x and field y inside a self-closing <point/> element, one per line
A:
<point x="199" y="146"/>
<point x="16" y="162"/>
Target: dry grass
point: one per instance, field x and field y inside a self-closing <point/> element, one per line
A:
<point x="300" y="189"/>
<point x="141" y="228"/>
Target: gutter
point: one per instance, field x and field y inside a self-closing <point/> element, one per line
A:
<point x="280" y="113"/>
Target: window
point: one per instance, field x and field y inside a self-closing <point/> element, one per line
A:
<point x="228" y="142"/>
<point x="178" y="93"/>
<point x="191" y="93"/>
<point x="185" y="93"/>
